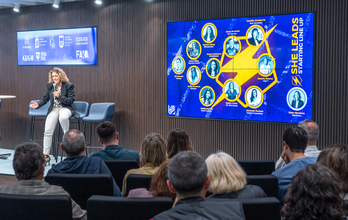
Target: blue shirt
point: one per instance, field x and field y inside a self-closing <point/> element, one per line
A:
<point x="286" y="173"/>
<point x="84" y="165"/>
<point x="116" y="152"/>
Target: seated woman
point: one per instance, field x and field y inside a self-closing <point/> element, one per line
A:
<point x="178" y="140"/>
<point x="314" y="194"/>
<point x="336" y="159"/>
<point x="152" y="154"/>
<point x="159" y="187"/>
<point x="228" y="180"/>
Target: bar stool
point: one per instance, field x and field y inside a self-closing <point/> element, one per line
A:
<point x="97" y="113"/>
<point x="34" y="113"/>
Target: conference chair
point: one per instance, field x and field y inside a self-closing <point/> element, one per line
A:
<point x="119" y="168"/>
<point x="110" y="208"/>
<point x="268" y="183"/>
<point x="82" y="186"/>
<point x="98" y="112"/>
<point x="257" y="167"/>
<point x="53" y="207"/>
<point x="258" y="208"/>
<point x="135" y="181"/>
<point x="34" y="113"/>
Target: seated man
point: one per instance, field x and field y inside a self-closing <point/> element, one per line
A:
<point x="187" y="177"/>
<point x="29" y="166"/>
<point x="295" y="142"/>
<point x="74" y="146"/>
<point x="108" y="137"/>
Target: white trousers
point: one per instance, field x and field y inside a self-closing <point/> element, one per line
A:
<point x="57" y="113"/>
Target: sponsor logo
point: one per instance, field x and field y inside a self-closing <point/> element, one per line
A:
<point x="82" y="54"/>
<point x="171" y="109"/>
<point x="79" y="39"/>
<point x="26" y="40"/>
<point x="28" y="58"/>
<point x="37" y="42"/>
<point x="61" y="41"/>
<point x="37" y="56"/>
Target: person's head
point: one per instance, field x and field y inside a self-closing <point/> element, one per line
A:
<point x="313" y="194"/>
<point x="28" y="161"/>
<point x="73" y="142"/>
<point x="209" y="30"/>
<point x="297" y="95"/>
<point x="207" y="94"/>
<point x="193" y="73"/>
<point x="231" y="85"/>
<point x="265" y="60"/>
<point x="194" y="46"/>
<point x="213" y="65"/>
<point x="159" y="187"/>
<point x="255" y="33"/>
<point x="187" y="174"/>
<point x="254" y="93"/>
<point x="312" y="130"/>
<point x="224" y="173"/>
<point x="295" y="138"/>
<point x="57" y="75"/>
<point x="153" y="150"/>
<point x="107" y="133"/>
<point x="336" y="159"/>
<point x="231" y="43"/>
<point x="178" y="140"/>
<point x="178" y="63"/>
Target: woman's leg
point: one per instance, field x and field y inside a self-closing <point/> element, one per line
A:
<point x="50" y="125"/>
<point x="64" y="115"/>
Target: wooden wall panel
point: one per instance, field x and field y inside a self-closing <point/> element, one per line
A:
<point x="131" y="71"/>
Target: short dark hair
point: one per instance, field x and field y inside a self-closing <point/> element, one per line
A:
<point x="312" y="131"/>
<point x="178" y="140"/>
<point x="106" y="131"/>
<point x="296" y="138"/>
<point x="73" y="142"/>
<point x="314" y="193"/>
<point x="28" y="160"/>
<point x="187" y="172"/>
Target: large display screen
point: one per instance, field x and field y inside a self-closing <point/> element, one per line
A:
<point x="251" y="68"/>
<point x="73" y="46"/>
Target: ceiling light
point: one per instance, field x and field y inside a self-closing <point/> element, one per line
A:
<point x="98" y="2"/>
<point x="56" y="3"/>
<point x="16" y="7"/>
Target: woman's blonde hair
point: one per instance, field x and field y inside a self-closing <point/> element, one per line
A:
<point x="60" y="72"/>
<point x="153" y="150"/>
<point x="224" y="173"/>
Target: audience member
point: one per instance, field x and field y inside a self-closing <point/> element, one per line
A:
<point x="228" y="180"/>
<point x="74" y="146"/>
<point x="152" y="155"/>
<point x="336" y="159"/>
<point x="314" y="194"/>
<point x="178" y="140"/>
<point x="108" y="137"/>
<point x="29" y="166"/>
<point x="312" y="130"/>
<point x="159" y="187"/>
<point x="187" y="173"/>
<point x="295" y="141"/>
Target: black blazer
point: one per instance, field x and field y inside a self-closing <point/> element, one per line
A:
<point x="66" y="97"/>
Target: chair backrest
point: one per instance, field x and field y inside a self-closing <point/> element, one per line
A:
<point x="81" y="108"/>
<point x="107" y="207"/>
<point x="15" y="207"/>
<point x="82" y="186"/>
<point x="258" y="208"/>
<point x="39" y="112"/>
<point x="119" y="168"/>
<point x="135" y="181"/>
<point x="268" y="183"/>
<point x="257" y="167"/>
<point x="102" y="111"/>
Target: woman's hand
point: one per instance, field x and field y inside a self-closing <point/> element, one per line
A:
<point x="34" y="105"/>
<point x="56" y="94"/>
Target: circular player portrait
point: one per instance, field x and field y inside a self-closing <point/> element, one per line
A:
<point x="255" y="35"/>
<point x="193" y="75"/>
<point x="213" y="68"/>
<point x="296" y="98"/>
<point x="209" y="32"/>
<point x="254" y="97"/>
<point x="193" y="49"/>
<point x="178" y="65"/>
<point x="232" y="90"/>
<point x="232" y="46"/>
<point x="265" y="65"/>
<point x="207" y="96"/>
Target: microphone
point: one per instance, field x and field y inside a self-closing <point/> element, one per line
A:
<point x="55" y="86"/>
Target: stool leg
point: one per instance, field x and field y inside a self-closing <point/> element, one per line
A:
<point x="78" y="124"/>
<point x="31" y="129"/>
<point x="90" y="136"/>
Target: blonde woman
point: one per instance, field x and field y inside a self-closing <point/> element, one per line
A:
<point x="228" y="180"/>
<point x="61" y="93"/>
<point x="152" y="155"/>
